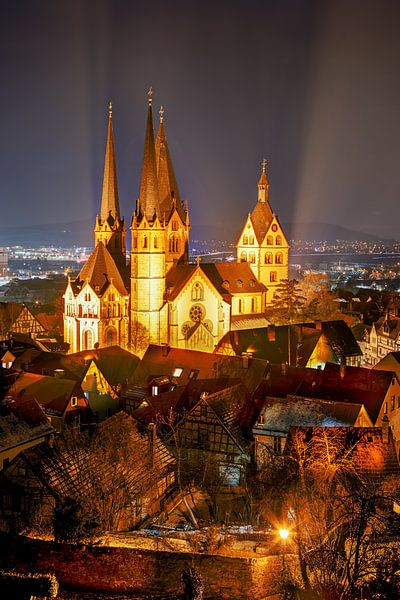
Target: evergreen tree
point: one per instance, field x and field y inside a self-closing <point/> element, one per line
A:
<point x="287" y="303"/>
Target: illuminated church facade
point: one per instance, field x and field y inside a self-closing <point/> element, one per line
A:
<point x="155" y="295"/>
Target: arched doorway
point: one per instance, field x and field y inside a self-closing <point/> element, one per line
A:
<point x="87" y="339"/>
<point x="111" y="336"/>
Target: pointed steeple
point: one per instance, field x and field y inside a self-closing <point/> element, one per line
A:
<point x="148" y="196"/>
<point x="263" y="184"/>
<point x="167" y="185"/>
<point x="109" y="196"/>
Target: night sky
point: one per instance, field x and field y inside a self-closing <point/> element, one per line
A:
<point x="312" y="86"/>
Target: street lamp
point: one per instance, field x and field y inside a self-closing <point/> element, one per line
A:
<point x="284" y="533"/>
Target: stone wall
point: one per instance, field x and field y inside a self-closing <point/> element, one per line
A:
<point x="145" y="572"/>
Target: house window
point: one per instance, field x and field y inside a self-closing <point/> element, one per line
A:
<point x="174" y="225"/>
<point x="252" y="258"/>
<point x="270" y="240"/>
<point x="243" y="257"/>
<point x="392" y="403"/>
<point x="273" y="276"/>
<point x="278" y="240"/>
<point x="251" y="240"/>
<point x="74" y="401"/>
<point x="253" y="305"/>
<point x="277" y="445"/>
<point x="145" y="241"/>
<point x="245" y="240"/>
<point x="240" y="305"/>
<point x="279" y="258"/>
<point x="385" y="408"/>
<point x="268" y="258"/>
<point x="155" y="242"/>
<point x="135" y="241"/>
<point x="177" y="372"/>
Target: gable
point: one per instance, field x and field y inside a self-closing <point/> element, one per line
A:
<point x="275" y="229"/>
<point x="248" y="236"/>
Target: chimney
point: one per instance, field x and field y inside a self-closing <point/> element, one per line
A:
<point x="342" y="368"/>
<point x="385" y="429"/>
<point x="246" y="356"/>
<point x="164" y="349"/>
<point x="318" y="324"/>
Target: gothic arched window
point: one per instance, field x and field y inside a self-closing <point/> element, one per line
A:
<point x="243" y="257"/>
<point x="270" y="240"/>
<point x="245" y="240"/>
<point x="155" y="242"/>
<point x="145" y="241"/>
<point x="278" y="240"/>
<point x="197" y="291"/>
<point x="252" y="257"/>
<point x="273" y="276"/>
<point x="251" y="239"/>
<point x="268" y="258"/>
<point x="279" y="258"/>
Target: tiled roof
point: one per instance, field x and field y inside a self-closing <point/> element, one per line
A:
<point x="52" y="393"/>
<point x="353" y="384"/>
<point x="272" y="342"/>
<point x="227" y="278"/>
<point x="67" y="469"/>
<point x="115" y="363"/>
<point x="22" y="421"/>
<point x="100" y="270"/>
<point x="261" y="218"/>
<point x="293" y="411"/>
<point x="160" y="360"/>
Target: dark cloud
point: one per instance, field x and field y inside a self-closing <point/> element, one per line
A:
<point x="313" y="86"/>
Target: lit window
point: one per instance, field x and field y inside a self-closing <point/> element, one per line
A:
<point x="268" y="258"/>
<point x="177" y="372"/>
<point x="243" y="257"/>
<point x="392" y="403"/>
<point x="270" y="240"/>
<point x="245" y="240"/>
<point x="279" y="258"/>
<point x="251" y="240"/>
<point x="74" y="401"/>
<point x="278" y="240"/>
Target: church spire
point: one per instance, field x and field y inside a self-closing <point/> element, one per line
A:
<point x="148" y="195"/>
<point x="167" y="186"/>
<point x="109" y="196"/>
<point x="263" y="183"/>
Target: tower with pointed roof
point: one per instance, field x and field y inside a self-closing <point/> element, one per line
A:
<point x="263" y="243"/>
<point x="110" y="227"/>
<point x="160" y="237"/>
<point x="97" y="301"/>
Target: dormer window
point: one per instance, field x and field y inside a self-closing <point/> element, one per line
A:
<point x="226" y="284"/>
<point x="240" y="283"/>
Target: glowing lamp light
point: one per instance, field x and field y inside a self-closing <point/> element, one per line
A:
<point x="284" y="533"/>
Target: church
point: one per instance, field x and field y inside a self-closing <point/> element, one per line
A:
<point x="153" y="294"/>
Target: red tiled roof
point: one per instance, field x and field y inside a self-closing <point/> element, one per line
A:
<point x="100" y="270"/>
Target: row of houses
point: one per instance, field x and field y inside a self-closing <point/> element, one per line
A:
<point x="234" y="409"/>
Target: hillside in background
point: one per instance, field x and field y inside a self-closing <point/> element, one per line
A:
<point x="79" y="233"/>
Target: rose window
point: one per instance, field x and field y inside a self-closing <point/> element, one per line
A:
<point x="197" y="313"/>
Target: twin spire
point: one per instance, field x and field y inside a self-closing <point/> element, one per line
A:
<point x="158" y="188"/>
